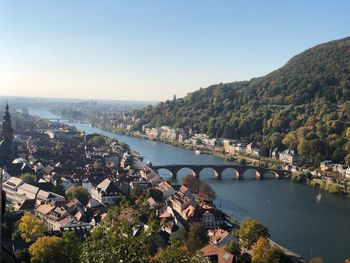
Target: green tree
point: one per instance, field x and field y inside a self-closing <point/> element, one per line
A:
<point x="79" y="193"/>
<point x="31" y="227"/>
<point x="156" y="194"/>
<point x="115" y="241"/>
<point x="72" y="247"/>
<point x="233" y="247"/>
<point x="28" y="178"/>
<point x="250" y="231"/>
<point x="197" y="237"/>
<point x="48" y="249"/>
<point x="97" y="140"/>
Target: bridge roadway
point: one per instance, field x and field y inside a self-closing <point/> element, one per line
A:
<point x="219" y="169"/>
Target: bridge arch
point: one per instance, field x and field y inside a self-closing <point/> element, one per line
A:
<point x="169" y="171"/>
<point x="193" y="171"/>
<point x="235" y="172"/>
<point x="269" y="173"/>
<point x="258" y="174"/>
<point x="216" y="171"/>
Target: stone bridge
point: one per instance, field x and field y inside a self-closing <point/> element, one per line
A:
<point x="238" y="171"/>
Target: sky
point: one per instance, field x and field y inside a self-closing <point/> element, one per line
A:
<point x="150" y="50"/>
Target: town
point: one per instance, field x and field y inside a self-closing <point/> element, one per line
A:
<point x="66" y="181"/>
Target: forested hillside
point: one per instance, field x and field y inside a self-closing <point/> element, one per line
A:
<point x="304" y="106"/>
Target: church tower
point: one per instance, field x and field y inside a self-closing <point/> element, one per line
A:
<point x="7" y="143"/>
<point x="7" y="131"/>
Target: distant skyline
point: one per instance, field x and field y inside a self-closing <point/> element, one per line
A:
<point x="151" y="50"/>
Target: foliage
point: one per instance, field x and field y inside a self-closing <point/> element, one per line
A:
<point x="31" y="227"/>
<point x="72" y="247"/>
<point x="79" y="193"/>
<point x="199" y="187"/>
<point x="304" y="106"/>
<point x="197" y="237"/>
<point x="233" y="247"/>
<point x="48" y="249"/>
<point x="97" y="140"/>
<point x="9" y="224"/>
<point x="116" y="243"/>
<point x="176" y="251"/>
<point x="263" y="252"/>
<point x="191" y="182"/>
<point x="250" y="231"/>
<point x="156" y="194"/>
<point x="28" y="178"/>
<point x="206" y="192"/>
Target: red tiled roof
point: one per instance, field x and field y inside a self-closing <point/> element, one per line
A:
<point x="222" y="255"/>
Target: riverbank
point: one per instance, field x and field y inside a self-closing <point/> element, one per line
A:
<point x="304" y="177"/>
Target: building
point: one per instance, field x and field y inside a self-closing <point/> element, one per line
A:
<point x="325" y="165"/>
<point x="288" y="156"/>
<point x="253" y="149"/>
<point x="221" y="237"/>
<point x="7" y="144"/>
<point x="166" y="189"/>
<point x="217" y="254"/>
<point x="106" y="192"/>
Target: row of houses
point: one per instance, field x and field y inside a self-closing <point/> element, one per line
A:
<point x="343" y="170"/>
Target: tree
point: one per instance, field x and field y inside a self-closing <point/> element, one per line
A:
<point x="72" y="247"/>
<point x="31" y="227"/>
<point x="191" y="182"/>
<point x="156" y="194"/>
<point x="48" y="249"/>
<point x="176" y="252"/>
<point x="260" y="251"/>
<point x="115" y="241"/>
<point x="28" y="178"/>
<point x="197" y="237"/>
<point x="233" y="247"/>
<point x="79" y="193"/>
<point x="250" y="231"/>
<point x="97" y="140"/>
<point x="263" y="252"/>
<point x="206" y="192"/>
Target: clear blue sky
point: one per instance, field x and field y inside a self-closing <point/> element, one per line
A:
<point x="149" y="50"/>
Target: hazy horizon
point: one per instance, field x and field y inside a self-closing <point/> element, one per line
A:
<point x="142" y="51"/>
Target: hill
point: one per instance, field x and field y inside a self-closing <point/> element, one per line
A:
<point x="304" y="105"/>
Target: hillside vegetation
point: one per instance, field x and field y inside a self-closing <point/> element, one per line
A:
<point x="303" y="106"/>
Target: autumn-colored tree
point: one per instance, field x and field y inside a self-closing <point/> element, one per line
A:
<point x="48" y="249"/>
<point x="31" y="227"/>
<point x="250" y="231"/>
<point x="260" y="251"/>
<point x="263" y="252"/>
<point x="206" y="192"/>
<point x="79" y="193"/>
<point x="191" y="182"/>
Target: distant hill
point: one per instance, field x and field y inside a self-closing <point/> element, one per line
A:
<point x="304" y="105"/>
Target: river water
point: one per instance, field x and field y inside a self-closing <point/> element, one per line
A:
<point x="290" y="210"/>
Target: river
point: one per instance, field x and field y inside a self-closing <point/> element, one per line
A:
<point x="290" y="210"/>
